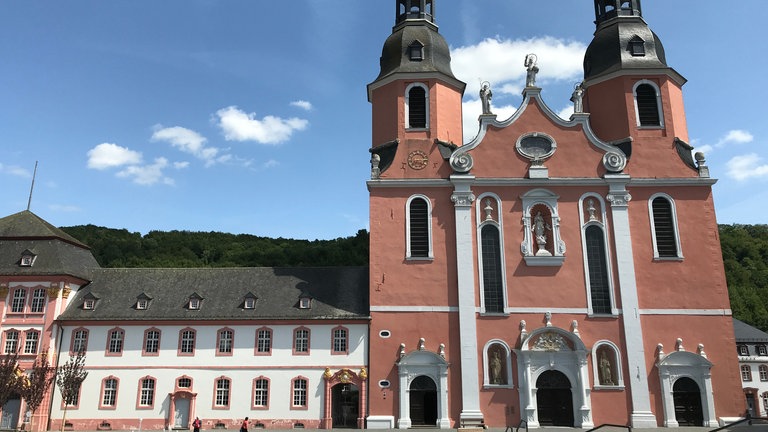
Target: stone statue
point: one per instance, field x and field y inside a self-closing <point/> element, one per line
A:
<point x="532" y="70"/>
<point x="485" y="97"/>
<point x="539" y="230"/>
<point x="496" y="368"/>
<point x="605" y="370"/>
<point x="375" y="170"/>
<point x="576" y="98"/>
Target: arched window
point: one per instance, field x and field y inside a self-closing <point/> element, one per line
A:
<point x="648" y="104"/>
<point x="417" y="106"/>
<point x="264" y="341"/>
<point x="222" y="396"/>
<point x="146" y="392"/>
<point x="597" y="266"/>
<point x="261" y="393"/>
<point x="299" y="387"/>
<point x="491" y="254"/>
<point x="225" y="341"/>
<point x="115" y="341"/>
<point x="666" y="242"/>
<point x="419" y="241"/>
<point x="108" y="393"/>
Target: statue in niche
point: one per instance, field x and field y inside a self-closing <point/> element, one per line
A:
<point x="605" y="368"/>
<point x="485" y="97"/>
<point x="532" y="70"/>
<point x="540" y="228"/>
<point x="495" y="368"/>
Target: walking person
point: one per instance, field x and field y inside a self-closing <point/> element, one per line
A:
<point x="196" y="424"/>
<point x="244" y="426"/>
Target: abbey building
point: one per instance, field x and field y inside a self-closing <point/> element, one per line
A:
<point x="556" y="272"/>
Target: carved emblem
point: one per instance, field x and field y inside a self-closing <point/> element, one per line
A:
<point x="417" y="160"/>
<point x="550" y="342"/>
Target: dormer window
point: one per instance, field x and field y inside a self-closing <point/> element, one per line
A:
<point x="249" y="303"/>
<point x="88" y="304"/>
<point x="194" y="302"/>
<point x="305" y="303"/>
<point x="27" y="259"/>
<point x="636" y="46"/>
<point x="142" y="301"/>
<point x="416" y="51"/>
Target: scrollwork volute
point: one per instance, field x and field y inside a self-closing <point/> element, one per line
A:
<point x="614" y="162"/>
<point x="619" y="199"/>
<point x="461" y="161"/>
<point x="463" y="199"/>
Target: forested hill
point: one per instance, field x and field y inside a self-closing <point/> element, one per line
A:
<point x="745" y="253"/>
<point x="178" y="249"/>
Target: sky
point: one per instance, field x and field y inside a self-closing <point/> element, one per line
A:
<point x="251" y="116"/>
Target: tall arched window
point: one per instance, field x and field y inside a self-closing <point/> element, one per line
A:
<point x="666" y="242"/>
<point x="648" y="104"/>
<point x="493" y="284"/>
<point x="417" y="106"/>
<point x="597" y="265"/>
<point x="419" y="242"/>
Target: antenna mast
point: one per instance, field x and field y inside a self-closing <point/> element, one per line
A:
<point x="32" y="188"/>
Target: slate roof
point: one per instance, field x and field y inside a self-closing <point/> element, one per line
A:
<point x="746" y="333"/>
<point x="57" y="253"/>
<point x="336" y="292"/>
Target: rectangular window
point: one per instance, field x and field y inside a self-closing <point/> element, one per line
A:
<point x="301" y="341"/>
<point x="187" y="342"/>
<point x="30" y="344"/>
<point x="339" y="340"/>
<point x="79" y="341"/>
<point x="110" y="393"/>
<point x="115" y="341"/>
<point x="225" y="341"/>
<point x="261" y="393"/>
<point x="264" y="342"/>
<point x="147" y="396"/>
<point x="11" y="341"/>
<point x="746" y="373"/>
<point x="38" y="300"/>
<point x="74" y="398"/>
<point x="763" y="373"/>
<point x="300" y="393"/>
<point x="19" y="298"/>
<point x="761" y="350"/>
<point x="222" y="393"/>
<point x="152" y="342"/>
<point x="743" y="350"/>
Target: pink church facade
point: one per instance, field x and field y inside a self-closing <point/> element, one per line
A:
<point x="557" y="272"/>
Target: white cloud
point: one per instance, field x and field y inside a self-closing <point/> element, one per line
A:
<point x="64" y="208"/>
<point x="500" y="62"/>
<point x="238" y="125"/>
<point x="107" y="155"/>
<point x="181" y="165"/>
<point x="15" y="171"/>
<point x="706" y="149"/>
<point x="148" y="174"/>
<point x="270" y="163"/>
<point x="188" y="141"/>
<point x="736" y="136"/>
<point x="747" y="166"/>
<point x="307" y="106"/>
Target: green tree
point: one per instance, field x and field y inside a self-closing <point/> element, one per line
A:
<point x="9" y="376"/>
<point x="69" y="378"/>
<point x="37" y="383"/>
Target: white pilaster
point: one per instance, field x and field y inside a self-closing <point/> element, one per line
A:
<point x="465" y="270"/>
<point x="618" y="196"/>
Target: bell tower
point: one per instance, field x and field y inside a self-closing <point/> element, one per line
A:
<point x="631" y="91"/>
<point x="416" y="99"/>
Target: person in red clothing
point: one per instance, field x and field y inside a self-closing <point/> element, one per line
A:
<point x="196" y="424"/>
<point x="244" y="427"/>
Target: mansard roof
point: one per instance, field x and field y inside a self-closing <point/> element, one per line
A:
<point x="746" y="333"/>
<point x="57" y="253"/>
<point x="336" y="292"/>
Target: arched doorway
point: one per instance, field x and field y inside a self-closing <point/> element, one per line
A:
<point x="345" y="402"/>
<point x="554" y="399"/>
<point x="423" y="401"/>
<point x="687" y="399"/>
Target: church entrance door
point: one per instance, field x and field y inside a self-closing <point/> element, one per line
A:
<point x="687" y="397"/>
<point x="423" y="402"/>
<point x="554" y="399"/>
<point x="346" y="399"/>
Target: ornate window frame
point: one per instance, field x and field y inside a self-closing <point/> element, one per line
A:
<point x="590" y="216"/>
<point x="534" y="255"/>
<point x="488" y="211"/>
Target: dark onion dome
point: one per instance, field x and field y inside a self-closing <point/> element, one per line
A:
<point x="410" y="34"/>
<point x="622" y="41"/>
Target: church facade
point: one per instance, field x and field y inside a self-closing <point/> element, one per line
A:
<point x="549" y="271"/>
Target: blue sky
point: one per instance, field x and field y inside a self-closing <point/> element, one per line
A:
<point x="248" y="116"/>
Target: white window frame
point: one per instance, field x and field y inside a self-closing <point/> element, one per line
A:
<point x="659" y="105"/>
<point x="430" y="253"/>
<point x="675" y="225"/>
<point x="603" y="224"/>
<point x="407" y="106"/>
<point x="481" y="220"/>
